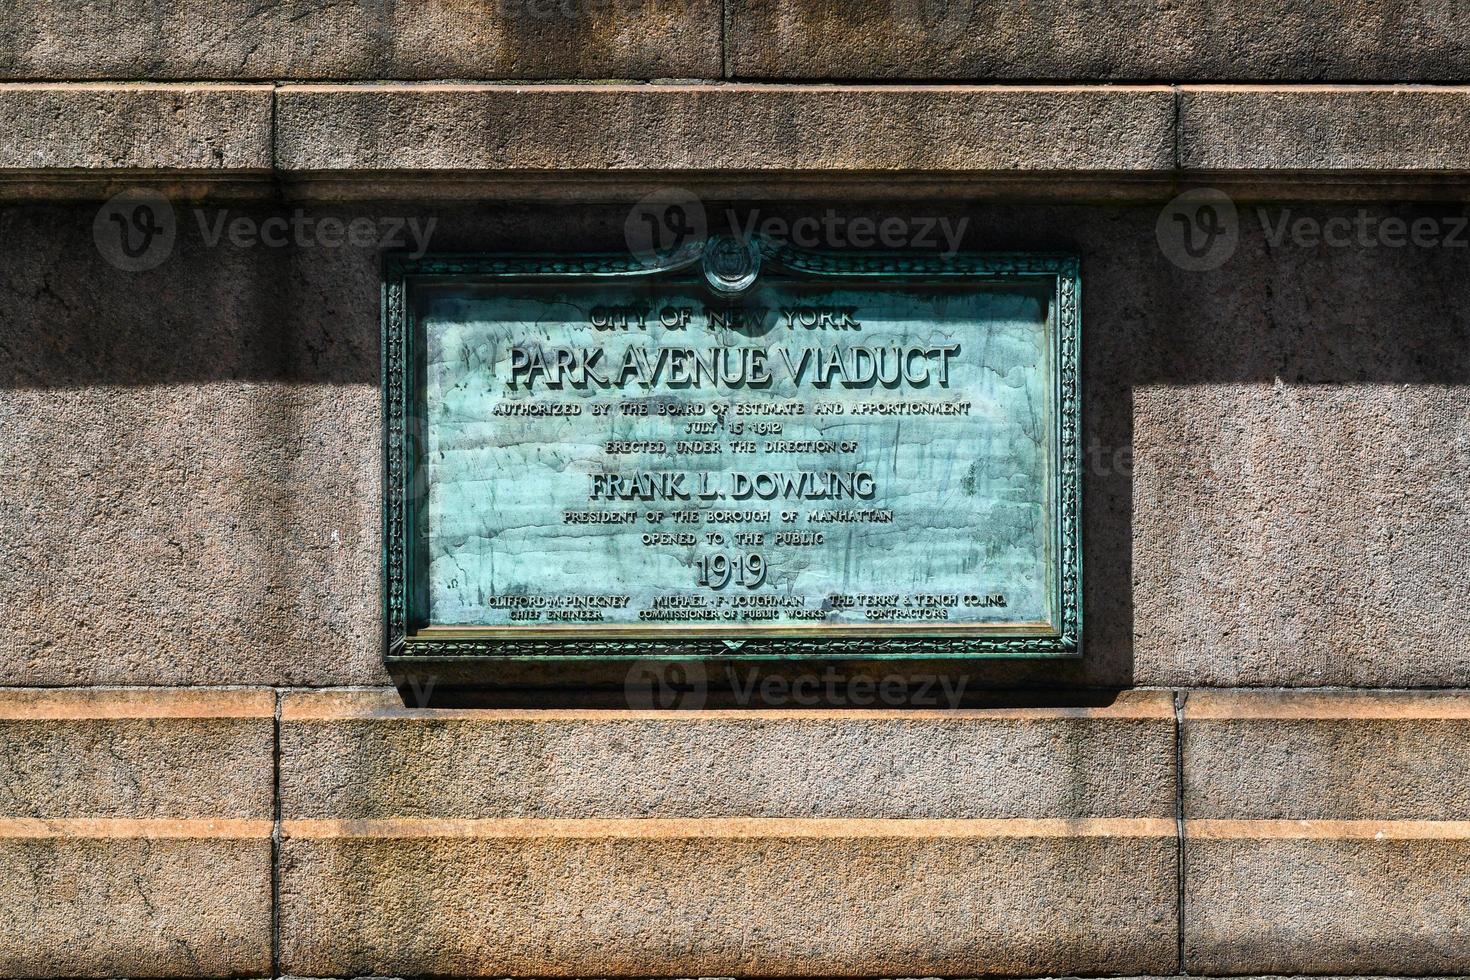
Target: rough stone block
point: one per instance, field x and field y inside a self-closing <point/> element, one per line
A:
<point x="1323" y="128"/>
<point x="1297" y="421"/>
<point x="176" y="754"/>
<point x="1234" y="40"/>
<point x="1302" y="534"/>
<point x="727" y="898"/>
<point x="226" y="550"/>
<point x="213" y="128"/>
<point x="1326" y="897"/>
<point x="135" y="898"/>
<point x="196" y="478"/>
<point x="1348" y="756"/>
<point x="306" y="39"/>
<point x="353" y="755"/>
<point x="759" y="128"/>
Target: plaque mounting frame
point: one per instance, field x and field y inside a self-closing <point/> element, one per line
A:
<point x="1058" y="271"/>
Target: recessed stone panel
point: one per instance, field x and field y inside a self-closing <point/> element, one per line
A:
<point x="1339" y="756"/>
<point x="357" y="755"/>
<point x="1364" y="898"/>
<point x="726" y="898"/>
<point x="147" y="753"/>
<point x="183" y="901"/>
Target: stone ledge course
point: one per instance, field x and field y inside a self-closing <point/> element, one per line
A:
<point x="234" y="131"/>
<point x="405" y="879"/>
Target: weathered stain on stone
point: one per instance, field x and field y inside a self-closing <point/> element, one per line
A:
<point x="140" y="906"/>
<point x="306" y="39"/>
<point x="1126" y="40"/>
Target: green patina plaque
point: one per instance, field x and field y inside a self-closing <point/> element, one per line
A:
<point x="747" y="450"/>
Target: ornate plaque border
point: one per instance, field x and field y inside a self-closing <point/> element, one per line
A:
<point x="1059" y="271"/>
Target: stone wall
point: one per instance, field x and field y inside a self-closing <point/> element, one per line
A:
<point x="1258" y="767"/>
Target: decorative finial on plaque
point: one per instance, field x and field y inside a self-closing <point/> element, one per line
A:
<point x="731" y="264"/>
